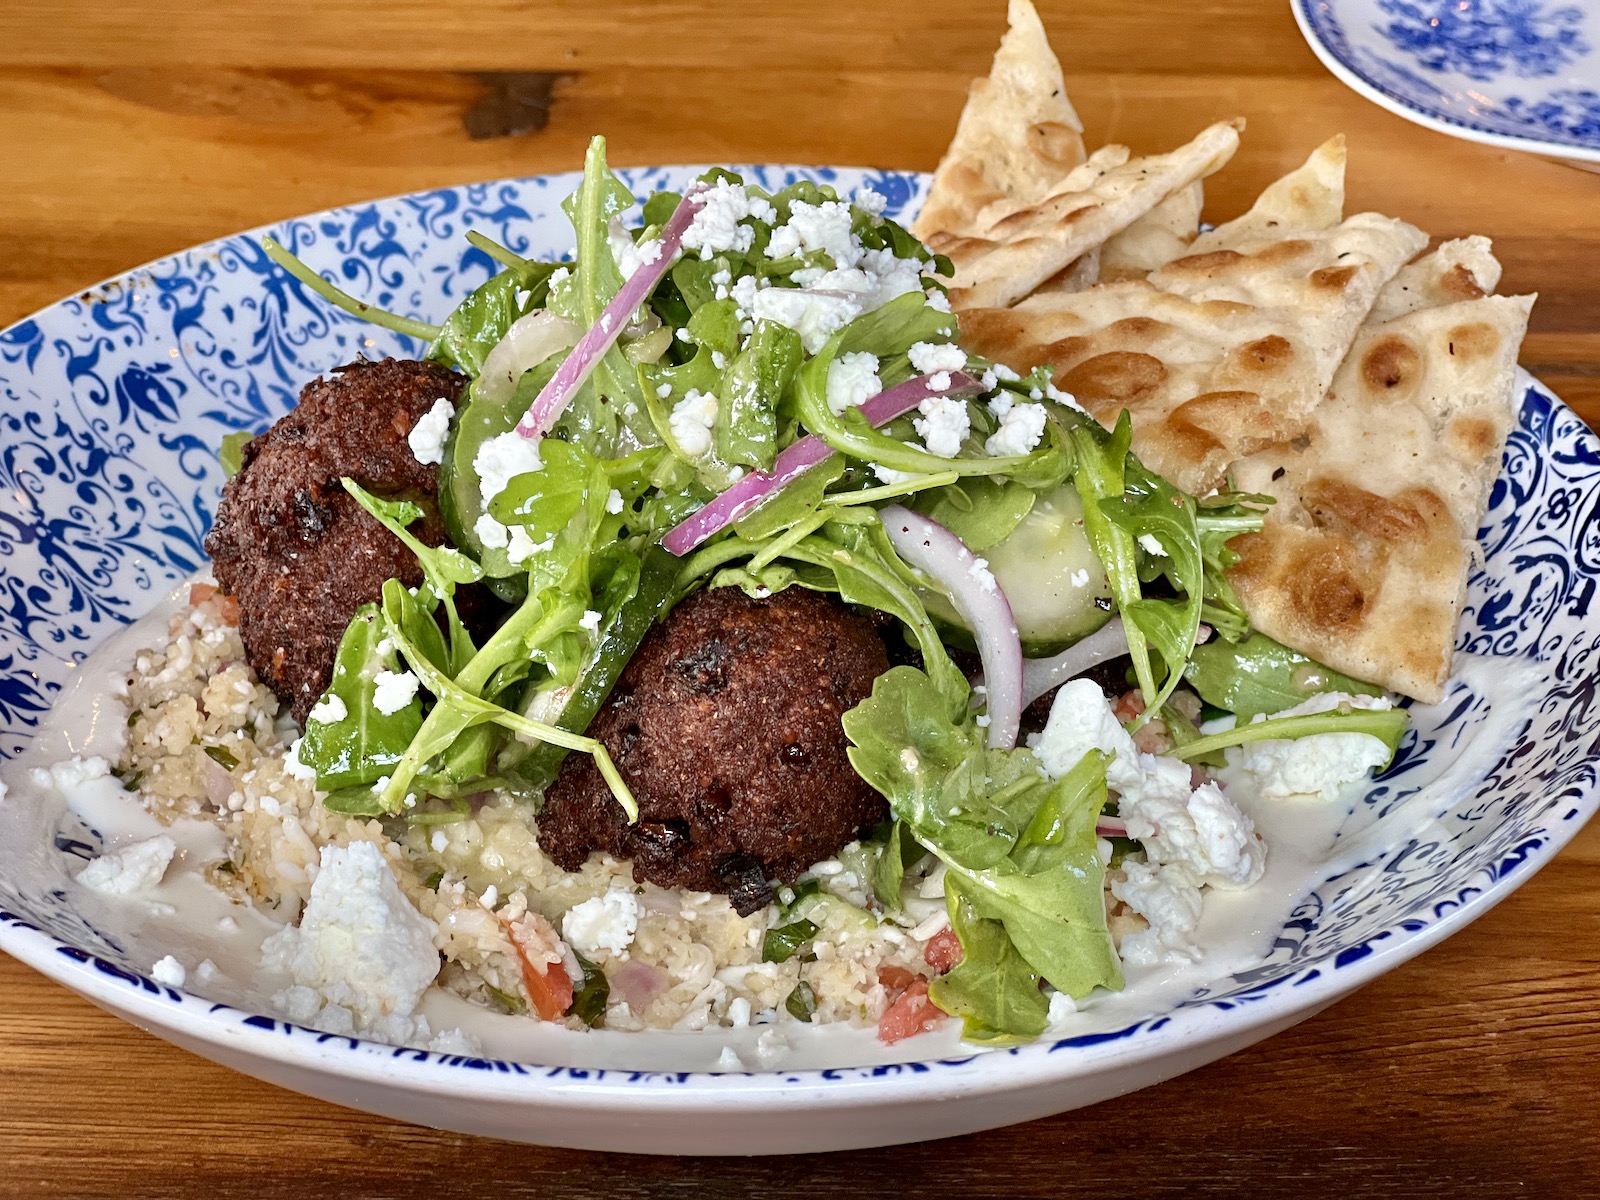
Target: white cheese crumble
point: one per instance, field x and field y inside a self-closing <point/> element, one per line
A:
<point x="614" y="502"/>
<point x="590" y="620"/>
<point x="296" y="768"/>
<point x="815" y="314"/>
<point x="1323" y="765"/>
<point x="491" y="532"/>
<point x="329" y="710"/>
<point x="169" y="971"/>
<point x="1021" y="428"/>
<point x="691" y="423"/>
<point x="821" y="227"/>
<point x="631" y="255"/>
<point x="501" y="459"/>
<point x="362" y="955"/>
<point x="133" y="869"/>
<point x="870" y="202"/>
<point x="391" y="692"/>
<point x="943" y="425"/>
<point x="427" y="436"/>
<point x="1153" y="544"/>
<point x="521" y="547"/>
<point x="1167" y="897"/>
<point x="71" y="773"/>
<point x="928" y="357"/>
<point x="890" y="475"/>
<point x="716" y="227"/>
<point x="852" y="381"/>
<point x="606" y="922"/>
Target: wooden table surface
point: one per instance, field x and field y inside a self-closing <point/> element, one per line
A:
<point x="133" y="128"/>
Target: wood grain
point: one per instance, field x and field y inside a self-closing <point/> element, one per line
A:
<point x="133" y="128"/>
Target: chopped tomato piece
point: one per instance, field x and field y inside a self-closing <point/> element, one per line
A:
<point x="943" y="950"/>
<point x="911" y="1014"/>
<point x="896" y="979"/>
<point x="549" y="989"/>
<point x="199" y="593"/>
<point x="230" y="609"/>
<point x="1129" y="705"/>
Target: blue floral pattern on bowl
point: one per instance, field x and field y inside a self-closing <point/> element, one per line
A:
<point x="112" y="404"/>
<point x="1519" y="73"/>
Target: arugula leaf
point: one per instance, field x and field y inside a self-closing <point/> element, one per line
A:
<point x="749" y="394"/>
<point x="802" y="1002"/>
<point x="982" y="511"/>
<point x="482" y="319"/>
<point x="1388" y="725"/>
<point x="781" y="944"/>
<point x="992" y="989"/>
<point x="900" y="850"/>
<point x="1260" y="675"/>
<point x="358" y="750"/>
<point x="231" y="455"/>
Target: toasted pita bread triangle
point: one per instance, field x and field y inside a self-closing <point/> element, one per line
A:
<point x="1309" y="197"/>
<point x="1463" y="269"/>
<point x="1017" y="136"/>
<point x="1364" y="558"/>
<point x="1023" y="245"/>
<point x="1164" y="233"/>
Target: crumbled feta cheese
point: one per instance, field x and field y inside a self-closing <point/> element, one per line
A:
<point x="814" y="227"/>
<point x="1322" y="765"/>
<point x="614" y="502"/>
<point x="939" y="381"/>
<point x="427" y="436"/>
<point x="391" y="692"/>
<point x="943" y="425"/>
<point x="1152" y="544"/>
<point x="72" y="773"/>
<point x="559" y="276"/>
<point x="133" y="869"/>
<point x="439" y="840"/>
<point x="296" y="768"/>
<point x="329" y="710"/>
<point x="606" y="922"/>
<point x="1081" y="720"/>
<point x="982" y="576"/>
<point x="1079" y="578"/>
<point x="491" y="532"/>
<point x="362" y="956"/>
<point x="816" y="315"/>
<point x="928" y="357"/>
<point x="739" y="1012"/>
<point x="869" y="201"/>
<point x="852" y="381"/>
<point x="590" y="620"/>
<point x="501" y="459"/>
<point x="1061" y="1007"/>
<point x="1168" y="897"/>
<point x="521" y="547"/>
<point x="890" y="475"/>
<point x="938" y="301"/>
<point x="664" y="390"/>
<point x="169" y="971"/>
<point x="1021" y="428"/>
<point x="1066" y="398"/>
<point x="1200" y="830"/>
<point x="716" y="227"/>
<point x="909" y="759"/>
<point x="719" y="360"/>
<point x="631" y="255"/>
<point x="691" y="423"/>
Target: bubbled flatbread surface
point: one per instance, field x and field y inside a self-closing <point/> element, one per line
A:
<point x="1215" y="356"/>
<point x="1017" y="138"/>
<point x="1363" y="561"/>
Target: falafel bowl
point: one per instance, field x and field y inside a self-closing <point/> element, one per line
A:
<point x="797" y="780"/>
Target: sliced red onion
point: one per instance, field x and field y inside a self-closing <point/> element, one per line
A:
<point x="1111" y="827"/>
<point x="1039" y="675"/>
<point x="930" y="547"/>
<point x="530" y="340"/>
<point x="639" y="982"/>
<point x="747" y="493"/>
<point x="613" y="319"/>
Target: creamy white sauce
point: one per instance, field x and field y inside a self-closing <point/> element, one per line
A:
<point x="1307" y="842"/>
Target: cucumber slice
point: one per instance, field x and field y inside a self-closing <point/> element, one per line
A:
<point x="1050" y="573"/>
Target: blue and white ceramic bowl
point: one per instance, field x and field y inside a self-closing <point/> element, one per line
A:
<point x="111" y="406"/>
<point x="1524" y="74"/>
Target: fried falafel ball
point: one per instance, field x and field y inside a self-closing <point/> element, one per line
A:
<point x="296" y="549"/>
<point x="726" y="725"/>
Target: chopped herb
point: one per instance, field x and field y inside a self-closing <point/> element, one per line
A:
<point x="589" y="999"/>
<point x="780" y="944"/>
<point x="221" y="754"/>
<point x="231" y="455"/>
<point x="433" y="881"/>
<point x="515" y="1005"/>
<point x="802" y="1002"/>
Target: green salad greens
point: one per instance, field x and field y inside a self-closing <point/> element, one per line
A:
<point x="783" y="370"/>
